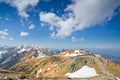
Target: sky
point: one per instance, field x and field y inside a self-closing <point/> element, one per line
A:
<point x="70" y="24"/>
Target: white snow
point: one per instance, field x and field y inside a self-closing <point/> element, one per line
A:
<point x="117" y="78"/>
<point x="0" y="55"/>
<point x="33" y="57"/>
<point x="97" y="55"/>
<point x="22" y="50"/>
<point x="38" y="72"/>
<point x="48" y="69"/>
<point x="14" y="55"/>
<point x="41" y="54"/>
<point x="72" y="55"/>
<point x="28" y="49"/>
<point x="76" y="53"/>
<point x="55" y="65"/>
<point x="84" y="72"/>
<point x="2" y="52"/>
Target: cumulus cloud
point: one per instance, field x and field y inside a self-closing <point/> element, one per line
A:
<point x="50" y="18"/>
<point x="81" y="14"/>
<point x="63" y="26"/>
<point x="21" y="5"/>
<point x="74" y="39"/>
<point x="32" y="26"/>
<point x="24" y="33"/>
<point x="3" y="34"/>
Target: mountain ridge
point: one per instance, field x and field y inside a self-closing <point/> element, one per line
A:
<point x="42" y="63"/>
<point x="9" y="56"/>
<point x="57" y="66"/>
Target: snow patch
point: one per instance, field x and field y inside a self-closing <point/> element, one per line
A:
<point x="2" y="52"/>
<point x="41" y="54"/>
<point x="84" y="72"/>
<point x="14" y="55"/>
<point x="22" y="50"/>
<point x="76" y="53"/>
<point x="55" y="65"/>
<point x="117" y="78"/>
<point x="73" y="55"/>
<point x="48" y="69"/>
<point x="38" y="72"/>
<point x="97" y="55"/>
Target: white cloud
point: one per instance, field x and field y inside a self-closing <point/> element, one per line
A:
<point x="3" y="34"/>
<point x="81" y="14"/>
<point x="21" y="5"/>
<point x="3" y="37"/>
<point x="32" y="26"/>
<point x="74" y="39"/>
<point x="5" y="30"/>
<point x="50" y="18"/>
<point x="24" y="33"/>
<point x="63" y="26"/>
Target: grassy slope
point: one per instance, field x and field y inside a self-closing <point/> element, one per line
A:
<point x="114" y="68"/>
<point x="59" y="65"/>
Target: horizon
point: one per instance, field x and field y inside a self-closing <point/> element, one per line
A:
<point x="60" y="24"/>
<point x="78" y="48"/>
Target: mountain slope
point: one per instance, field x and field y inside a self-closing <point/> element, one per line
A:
<point x="71" y="61"/>
<point x="11" y="55"/>
<point x="11" y="75"/>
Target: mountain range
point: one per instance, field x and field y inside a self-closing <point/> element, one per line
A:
<point x="36" y="63"/>
<point x="11" y="55"/>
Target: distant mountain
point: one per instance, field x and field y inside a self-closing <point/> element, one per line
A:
<point x="9" y="56"/>
<point x="76" y="64"/>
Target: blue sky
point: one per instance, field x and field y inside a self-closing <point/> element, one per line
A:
<point x="70" y="24"/>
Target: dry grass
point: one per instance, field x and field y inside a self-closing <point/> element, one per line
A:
<point x="33" y="65"/>
<point x="5" y="71"/>
<point x="114" y="68"/>
<point x="94" y="65"/>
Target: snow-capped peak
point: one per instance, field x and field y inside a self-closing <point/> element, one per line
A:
<point x="24" y="48"/>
